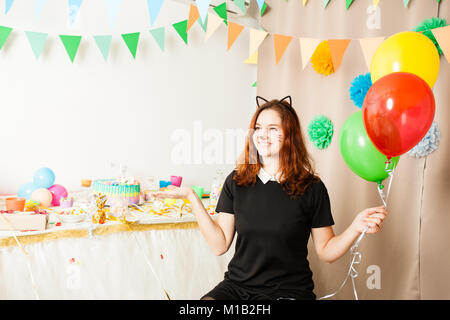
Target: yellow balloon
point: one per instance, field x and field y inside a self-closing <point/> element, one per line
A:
<point x="406" y="52"/>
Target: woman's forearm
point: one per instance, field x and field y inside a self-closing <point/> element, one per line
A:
<point x="337" y="246"/>
<point x="211" y="231"/>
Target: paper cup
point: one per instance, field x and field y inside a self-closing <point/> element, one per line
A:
<point x="15" y="204"/>
<point x="198" y="190"/>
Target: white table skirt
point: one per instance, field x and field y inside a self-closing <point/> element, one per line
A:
<point x="113" y="266"/>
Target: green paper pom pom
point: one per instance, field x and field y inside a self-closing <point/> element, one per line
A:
<point x="320" y="131"/>
<point x="426" y="26"/>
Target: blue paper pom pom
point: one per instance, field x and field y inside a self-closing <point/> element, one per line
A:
<point x="428" y="144"/>
<point x="358" y="90"/>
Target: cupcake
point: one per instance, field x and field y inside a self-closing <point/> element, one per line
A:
<point x="66" y="202"/>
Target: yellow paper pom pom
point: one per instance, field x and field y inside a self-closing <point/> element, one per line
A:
<point x="321" y="59"/>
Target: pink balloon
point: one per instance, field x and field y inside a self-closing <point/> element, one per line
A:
<point x="58" y="192"/>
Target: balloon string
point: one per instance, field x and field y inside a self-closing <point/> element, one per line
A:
<point x="352" y="273"/>
<point x="355" y="254"/>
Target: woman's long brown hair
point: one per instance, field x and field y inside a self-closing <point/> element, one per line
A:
<point x="294" y="160"/>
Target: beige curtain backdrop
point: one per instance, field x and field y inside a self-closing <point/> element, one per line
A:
<point x="411" y="251"/>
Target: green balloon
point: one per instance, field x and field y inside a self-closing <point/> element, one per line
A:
<point x="359" y="153"/>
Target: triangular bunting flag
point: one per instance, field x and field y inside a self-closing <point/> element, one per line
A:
<point x="241" y="5"/>
<point x="255" y="84"/>
<point x="4" y="34"/>
<point x="159" y="35"/>
<point x="37" y="42"/>
<point x="193" y="16"/>
<point x="221" y="11"/>
<point x="203" y="24"/>
<point x="307" y="48"/>
<point x="104" y="44"/>
<point x="263" y="10"/>
<point x="74" y="8"/>
<point x="256" y="38"/>
<point x="405" y="3"/>
<point x="281" y="42"/>
<point x="131" y="40"/>
<point x="234" y="30"/>
<point x="112" y="8"/>
<point x="260" y="4"/>
<point x="325" y="3"/>
<point x="348" y="3"/>
<point x="304" y="2"/>
<point x="203" y="6"/>
<point x="337" y="50"/>
<point x="154" y="6"/>
<point x="71" y="44"/>
<point x="180" y="28"/>
<point x="253" y="59"/>
<point x="38" y="7"/>
<point x="213" y="23"/>
<point x="376" y="2"/>
<point x="369" y="46"/>
<point x="8" y="4"/>
<point x="442" y="36"/>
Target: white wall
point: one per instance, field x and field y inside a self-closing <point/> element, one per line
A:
<point x="79" y="118"/>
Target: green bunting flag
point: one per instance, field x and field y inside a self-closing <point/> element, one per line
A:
<point x="204" y="24"/>
<point x="4" y="34"/>
<point x="254" y="84"/>
<point x="71" y="44"/>
<point x="405" y="3"/>
<point x="181" y="27"/>
<point x="37" y="41"/>
<point x="348" y="3"/>
<point x="221" y="11"/>
<point x="103" y="43"/>
<point x="158" y="35"/>
<point x="241" y="5"/>
<point x="263" y="9"/>
<point x="325" y="3"/>
<point x="131" y="40"/>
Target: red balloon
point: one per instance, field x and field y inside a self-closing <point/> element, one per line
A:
<point x="398" y="111"/>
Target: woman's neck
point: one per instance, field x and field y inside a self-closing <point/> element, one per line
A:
<point x="270" y="165"/>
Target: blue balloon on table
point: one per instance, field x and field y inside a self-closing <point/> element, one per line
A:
<point x="26" y="190"/>
<point x="44" y="178"/>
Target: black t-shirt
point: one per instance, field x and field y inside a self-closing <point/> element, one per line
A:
<point x="273" y="230"/>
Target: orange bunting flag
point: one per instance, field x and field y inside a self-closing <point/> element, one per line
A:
<point x="337" y="50"/>
<point x="234" y="30"/>
<point x="281" y="43"/>
<point x="369" y="46"/>
<point x="442" y="36"/>
<point x="193" y="16"/>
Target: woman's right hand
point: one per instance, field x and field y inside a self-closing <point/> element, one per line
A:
<point x="173" y="192"/>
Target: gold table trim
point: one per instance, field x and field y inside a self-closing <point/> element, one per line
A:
<point x="100" y="230"/>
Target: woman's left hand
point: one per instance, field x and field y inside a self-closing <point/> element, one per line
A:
<point x="371" y="218"/>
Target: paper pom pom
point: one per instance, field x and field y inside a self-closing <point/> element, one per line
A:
<point x="320" y="132"/>
<point x="426" y="27"/>
<point x="321" y="59"/>
<point x="358" y="90"/>
<point x="428" y="144"/>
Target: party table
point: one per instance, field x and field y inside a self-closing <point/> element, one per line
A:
<point x="155" y="257"/>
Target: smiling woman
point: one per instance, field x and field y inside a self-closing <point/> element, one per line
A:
<point x="273" y="201"/>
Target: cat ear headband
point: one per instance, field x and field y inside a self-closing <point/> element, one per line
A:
<point x="258" y="97"/>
